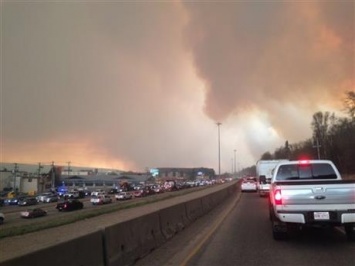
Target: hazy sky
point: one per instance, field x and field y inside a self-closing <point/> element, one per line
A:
<point x="130" y="85"/>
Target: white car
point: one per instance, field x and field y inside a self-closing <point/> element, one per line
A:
<point x="101" y="199"/>
<point x="249" y="184"/>
<point x="43" y="197"/>
<point x="123" y="196"/>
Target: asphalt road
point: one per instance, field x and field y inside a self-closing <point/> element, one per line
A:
<point x="243" y="237"/>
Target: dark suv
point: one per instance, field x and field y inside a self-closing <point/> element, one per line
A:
<point x="27" y="201"/>
<point x="70" y="205"/>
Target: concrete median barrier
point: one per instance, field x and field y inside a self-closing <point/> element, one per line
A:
<point x="194" y="209"/>
<point x="130" y="240"/>
<point x="211" y="201"/>
<point x="173" y="219"/>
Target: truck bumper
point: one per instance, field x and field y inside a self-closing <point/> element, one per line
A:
<point x="348" y="218"/>
<point x="292" y="218"/>
<point x="335" y="218"/>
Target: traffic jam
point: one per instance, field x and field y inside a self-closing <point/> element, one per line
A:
<point x="65" y="199"/>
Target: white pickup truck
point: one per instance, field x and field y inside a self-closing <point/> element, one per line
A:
<point x="310" y="193"/>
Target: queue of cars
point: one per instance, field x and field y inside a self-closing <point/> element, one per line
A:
<point x="70" y="200"/>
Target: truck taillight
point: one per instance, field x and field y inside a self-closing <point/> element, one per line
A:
<point x="303" y="162"/>
<point x="278" y="197"/>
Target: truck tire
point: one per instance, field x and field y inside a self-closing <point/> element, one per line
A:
<point x="279" y="229"/>
<point x="279" y="232"/>
<point x="350" y="232"/>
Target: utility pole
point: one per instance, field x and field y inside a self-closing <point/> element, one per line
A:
<point x="235" y="161"/>
<point x="317" y="146"/>
<point x="15" y="176"/>
<point x="68" y="167"/>
<point x="40" y="180"/>
<point x="53" y="177"/>
<point x="219" y="150"/>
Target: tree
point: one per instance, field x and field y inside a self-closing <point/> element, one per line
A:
<point x="266" y="156"/>
<point x="349" y="104"/>
<point x="320" y="125"/>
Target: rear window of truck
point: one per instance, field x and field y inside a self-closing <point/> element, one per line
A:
<point x="306" y="171"/>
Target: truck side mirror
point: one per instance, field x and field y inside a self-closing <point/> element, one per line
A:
<point x="262" y="179"/>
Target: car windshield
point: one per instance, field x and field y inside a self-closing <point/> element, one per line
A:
<point x="306" y="171"/>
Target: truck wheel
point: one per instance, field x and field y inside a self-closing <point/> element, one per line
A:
<point x="279" y="229"/>
<point x="350" y="232"/>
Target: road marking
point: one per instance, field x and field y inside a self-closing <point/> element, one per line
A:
<point x="211" y="231"/>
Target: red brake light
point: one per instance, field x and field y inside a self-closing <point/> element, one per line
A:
<point x="278" y="197"/>
<point x="303" y="162"/>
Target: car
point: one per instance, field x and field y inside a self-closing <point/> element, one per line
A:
<point x="123" y="196"/>
<point x="249" y="184"/>
<point x="28" y="201"/>
<point x="98" y="192"/>
<point x="2" y="218"/>
<point x="42" y="197"/>
<point x="139" y="193"/>
<point x="33" y="213"/>
<point x="51" y="198"/>
<point x="71" y="195"/>
<point x="13" y="201"/>
<point x="158" y="189"/>
<point x="69" y="205"/>
<point x="102" y="199"/>
<point x="113" y="191"/>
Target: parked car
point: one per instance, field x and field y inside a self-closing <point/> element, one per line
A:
<point x="33" y="213"/>
<point x="123" y="196"/>
<point x="101" y="199"/>
<point x="2" y="218"/>
<point x="28" y="201"/>
<point x="69" y="205"/>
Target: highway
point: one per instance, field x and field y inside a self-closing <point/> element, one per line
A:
<point x="243" y="237"/>
<point x="13" y="219"/>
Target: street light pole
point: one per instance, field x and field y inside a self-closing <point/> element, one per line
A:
<point x="235" y="162"/>
<point x="219" y="150"/>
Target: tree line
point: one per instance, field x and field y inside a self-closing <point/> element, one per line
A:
<point x="333" y="138"/>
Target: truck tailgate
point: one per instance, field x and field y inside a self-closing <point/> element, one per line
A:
<point x="317" y="192"/>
